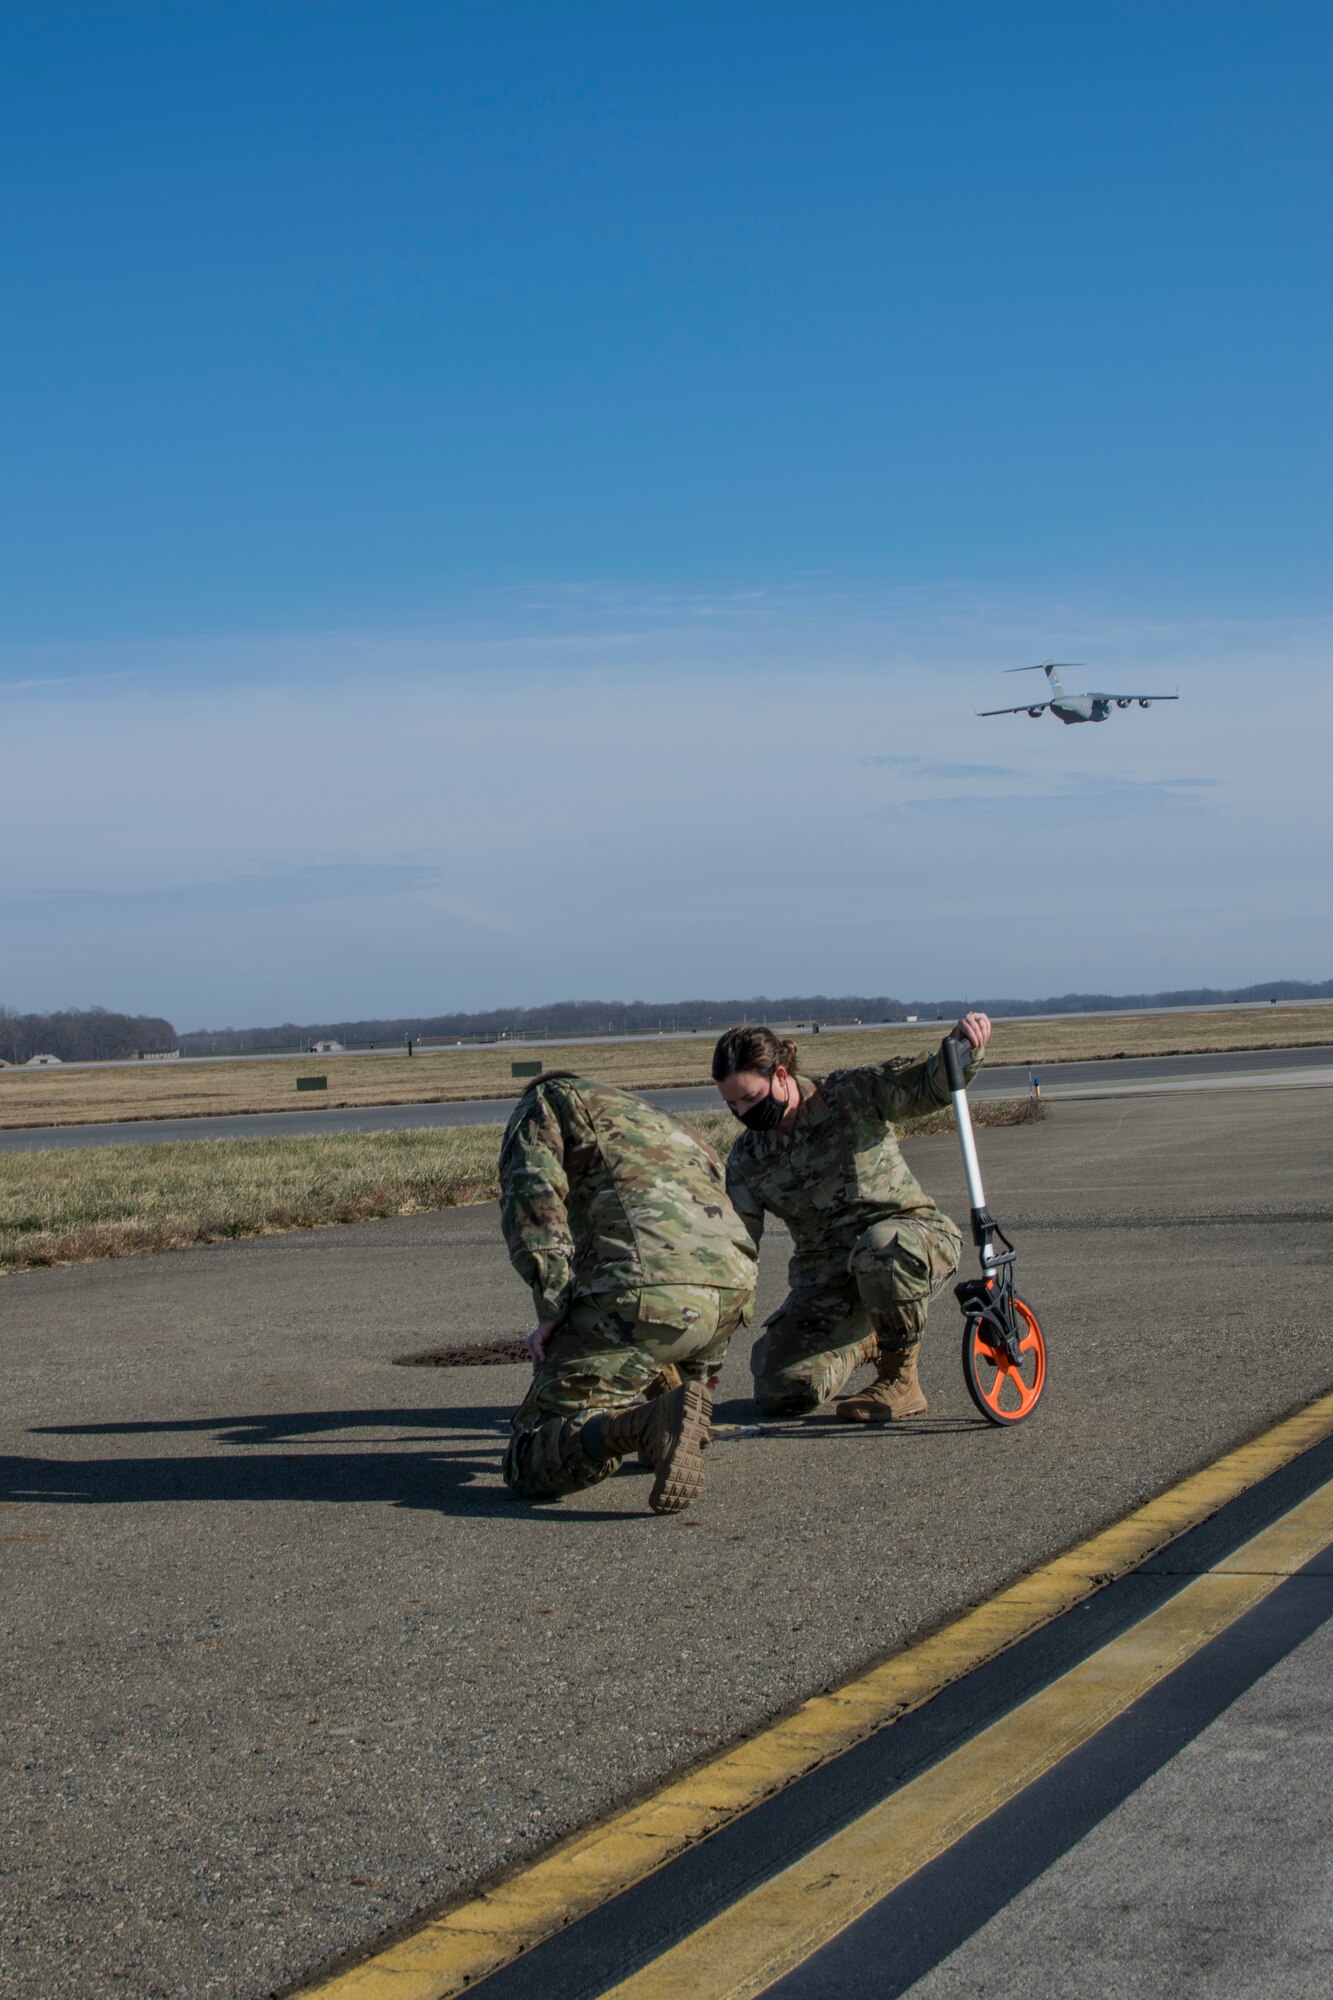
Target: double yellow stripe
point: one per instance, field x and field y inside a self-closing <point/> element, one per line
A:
<point x="776" y="1928"/>
<point x="451" y="1952"/>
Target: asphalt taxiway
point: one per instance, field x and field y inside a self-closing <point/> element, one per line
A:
<point x="283" y="1667"/>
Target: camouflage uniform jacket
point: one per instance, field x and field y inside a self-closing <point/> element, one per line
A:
<point x="839" y="1168"/>
<point x="601" y="1193"/>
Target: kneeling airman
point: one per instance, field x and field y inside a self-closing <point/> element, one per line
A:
<point x="640" y="1271"/>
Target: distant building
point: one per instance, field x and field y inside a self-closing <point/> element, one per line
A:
<point x="159" y="1055"/>
<point x="327" y="1049"/>
<point x="42" y="1062"/>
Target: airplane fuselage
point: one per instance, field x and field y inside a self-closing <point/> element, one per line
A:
<point x="1082" y="707"/>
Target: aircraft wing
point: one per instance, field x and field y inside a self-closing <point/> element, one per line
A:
<point x="1136" y="697"/>
<point x="1024" y="708"/>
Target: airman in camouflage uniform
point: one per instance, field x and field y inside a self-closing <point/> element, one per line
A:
<point x="871" y="1247"/>
<point x="619" y="1222"/>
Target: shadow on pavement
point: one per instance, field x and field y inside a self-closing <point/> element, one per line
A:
<point x="272" y="1426"/>
<point x="463" y="1481"/>
<point x="460" y="1477"/>
<point x="740" y="1410"/>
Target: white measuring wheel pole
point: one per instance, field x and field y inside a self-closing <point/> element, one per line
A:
<point x="976" y="1193"/>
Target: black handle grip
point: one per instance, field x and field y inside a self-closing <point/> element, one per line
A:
<point x="953" y="1064"/>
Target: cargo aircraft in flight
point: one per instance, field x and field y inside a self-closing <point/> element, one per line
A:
<point x="1073" y="707"/>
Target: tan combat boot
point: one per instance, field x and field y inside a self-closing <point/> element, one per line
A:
<point x="672" y="1432"/>
<point x="661" y="1385"/>
<point x="896" y="1391"/>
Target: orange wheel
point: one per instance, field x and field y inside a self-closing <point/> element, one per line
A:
<point x="1004" y="1393"/>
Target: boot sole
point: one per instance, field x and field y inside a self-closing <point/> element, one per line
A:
<point x="880" y="1415"/>
<point x="680" y="1475"/>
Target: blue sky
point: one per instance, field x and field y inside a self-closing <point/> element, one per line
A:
<point x="485" y="482"/>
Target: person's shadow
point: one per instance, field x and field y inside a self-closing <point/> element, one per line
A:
<point x="461" y="1477"/>
<point x="742" y="1412"/>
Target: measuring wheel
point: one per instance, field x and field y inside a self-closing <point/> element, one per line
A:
<point x="1004" y="1352"/>
<point x="1005" y="1388"/>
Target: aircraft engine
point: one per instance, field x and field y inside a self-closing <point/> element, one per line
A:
<point x="1034" y="712"/>
<point x="1144" y="704"/>
<point x="1124" y="704"/>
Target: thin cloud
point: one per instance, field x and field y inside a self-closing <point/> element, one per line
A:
<point x="1077" y="798"/>
<point x="294" y="888"/>
<point x="929" y="767"/>
<point x="54" y="680"/>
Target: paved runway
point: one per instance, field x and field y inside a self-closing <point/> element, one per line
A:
<point x="1082" y="1079"/>
<point x="283" y="1667"/>
<point x="1057" y="1793"/>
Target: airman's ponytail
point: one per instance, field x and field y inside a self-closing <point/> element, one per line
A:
<point x="752" y="1048"/>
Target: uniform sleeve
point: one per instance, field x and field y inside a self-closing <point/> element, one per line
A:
<point x="744" y="1200"/>
<point x="534" y="1215"/>
<point x="899" y="1094"/>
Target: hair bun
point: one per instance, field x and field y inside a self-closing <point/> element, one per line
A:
<point x="787" y="1055"/>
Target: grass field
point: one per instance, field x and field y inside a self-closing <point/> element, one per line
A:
<point x="171" y="1090"/>
<point x="66" y="1206"/>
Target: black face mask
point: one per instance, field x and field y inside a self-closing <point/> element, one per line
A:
<point x="765" y="1115"/>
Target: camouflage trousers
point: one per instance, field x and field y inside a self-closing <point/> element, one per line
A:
<point x="812" y="1343"/>
<point x="604" y="1356"/>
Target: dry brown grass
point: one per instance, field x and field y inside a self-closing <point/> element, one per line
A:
<point x="170" y="1090"/>
<point x="65" y="1206"/>
<point x="62" y="1206"/>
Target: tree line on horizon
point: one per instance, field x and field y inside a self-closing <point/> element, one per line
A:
<point x="97" y="1034"/>
<point x="596" y="1017"/>
<point x="83" y="1034"/>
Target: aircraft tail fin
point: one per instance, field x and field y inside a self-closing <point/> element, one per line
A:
<point x="1051" y="669"/>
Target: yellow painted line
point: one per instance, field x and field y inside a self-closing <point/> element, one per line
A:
<point x="777" y="1927"/>
<point x="452" y="1951"/>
